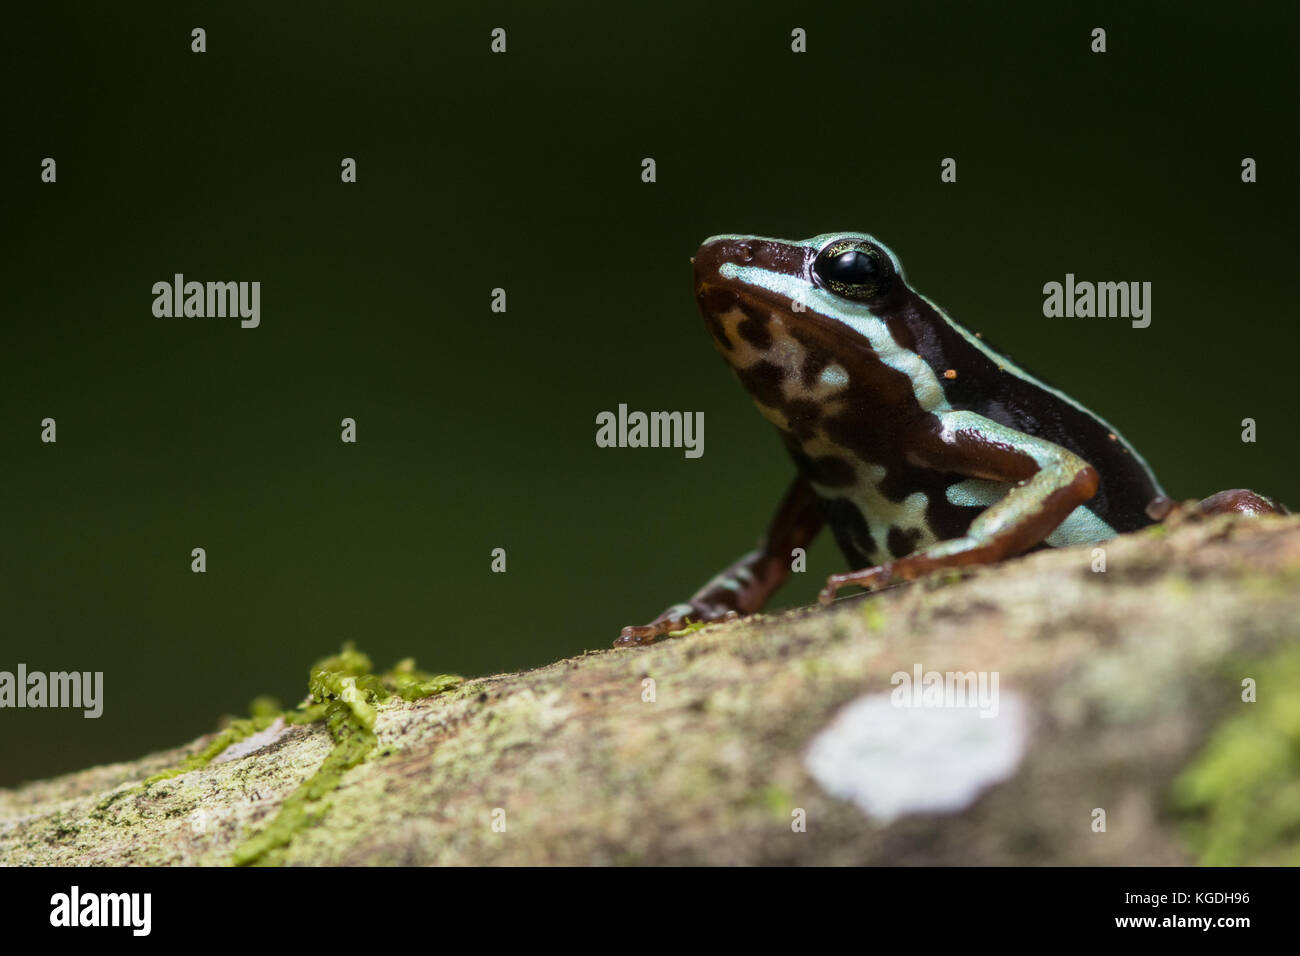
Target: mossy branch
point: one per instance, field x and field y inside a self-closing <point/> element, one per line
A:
<point x="1130" y="688"/>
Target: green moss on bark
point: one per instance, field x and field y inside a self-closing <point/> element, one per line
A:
<point x="1240" y="798"/>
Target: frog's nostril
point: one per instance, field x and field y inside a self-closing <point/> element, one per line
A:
<point x="745" y="251"/>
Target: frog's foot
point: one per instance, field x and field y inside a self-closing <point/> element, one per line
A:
<point x="1161" y="507"/>
<point x="867" y="578"/>
<point x="947" y="554"/>
<point x="1240" y="501"/>
<point x="675" y="618"/>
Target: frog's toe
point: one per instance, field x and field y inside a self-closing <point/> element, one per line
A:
<point x="676" y="618"/>
<point x="635" y="635"/>
<point x="869" y="579"/>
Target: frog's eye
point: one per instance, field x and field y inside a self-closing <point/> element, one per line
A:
<point x="855" y="270"/>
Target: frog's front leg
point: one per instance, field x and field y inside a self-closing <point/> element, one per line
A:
<point x="745" y="586"/>
<point x="1049" y="483"/>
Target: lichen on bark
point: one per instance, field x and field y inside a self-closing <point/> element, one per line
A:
<point x="692" y="750"/>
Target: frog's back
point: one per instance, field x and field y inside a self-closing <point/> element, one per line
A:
<point x="979" y="379"/>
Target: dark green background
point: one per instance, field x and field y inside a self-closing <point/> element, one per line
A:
<point x="476" y="430"/>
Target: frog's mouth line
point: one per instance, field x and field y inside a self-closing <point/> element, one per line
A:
<point x="716" y="299"/>
<point x="745" y="320"/>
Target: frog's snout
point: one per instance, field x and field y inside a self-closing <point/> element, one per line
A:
<point x="713" y="254"/>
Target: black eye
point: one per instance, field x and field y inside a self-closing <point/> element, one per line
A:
<point x="855" y="270"/>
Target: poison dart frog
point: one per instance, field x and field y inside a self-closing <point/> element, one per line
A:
<point x="919" y="445"/>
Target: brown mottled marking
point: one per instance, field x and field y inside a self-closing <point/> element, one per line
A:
<point x="902" y="542"/>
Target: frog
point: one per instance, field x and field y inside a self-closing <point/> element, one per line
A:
<point x="920" y="446"/>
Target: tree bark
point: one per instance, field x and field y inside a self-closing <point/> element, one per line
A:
<point x="1121" y="737"/>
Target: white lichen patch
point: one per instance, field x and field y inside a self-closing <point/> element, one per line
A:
<point x="253" y="743"/>
<point x="892" y="761"/>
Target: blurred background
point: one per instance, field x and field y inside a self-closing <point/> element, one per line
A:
<point x="476" y="430"/>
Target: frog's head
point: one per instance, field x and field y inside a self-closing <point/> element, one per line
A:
<point x="750" y="288"/>
<point x="798" y="319"/>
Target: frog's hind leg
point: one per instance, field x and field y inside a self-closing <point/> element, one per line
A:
<point x="1048" y="481"/>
